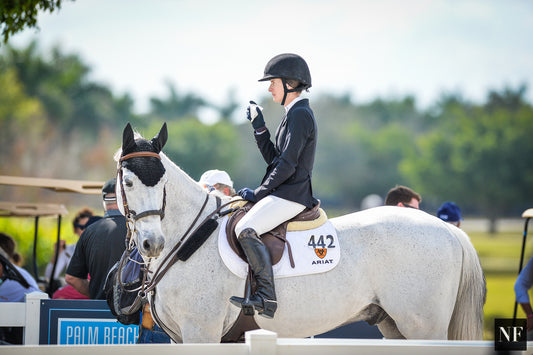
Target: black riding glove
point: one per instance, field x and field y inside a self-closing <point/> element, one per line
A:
<point x="247" y="194"/>
<point x="255" y="115"/>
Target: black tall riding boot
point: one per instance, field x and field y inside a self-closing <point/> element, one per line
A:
<point x="264" y="300"/>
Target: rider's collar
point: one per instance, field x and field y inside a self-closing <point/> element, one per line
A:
<point x="289" y="106"/>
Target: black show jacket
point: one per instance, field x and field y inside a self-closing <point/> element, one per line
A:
<point x="290" y="160"/>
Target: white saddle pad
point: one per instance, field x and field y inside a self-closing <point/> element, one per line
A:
<point x="313" y="251"/>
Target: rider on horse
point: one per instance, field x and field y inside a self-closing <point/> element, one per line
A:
<point x="285" y="190"/>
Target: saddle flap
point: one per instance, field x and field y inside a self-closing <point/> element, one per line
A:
<point x="275" y="239"/>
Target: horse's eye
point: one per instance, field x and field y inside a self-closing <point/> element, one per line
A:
<point x="128" y="182"/>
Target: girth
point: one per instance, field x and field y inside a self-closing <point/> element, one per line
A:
<point x="275" y="239"/>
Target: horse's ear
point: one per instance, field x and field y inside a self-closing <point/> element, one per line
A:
<point x="128" y="140"/>
<point x="160" y="139"/>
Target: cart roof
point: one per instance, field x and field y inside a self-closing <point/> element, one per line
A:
<point x="21" y="209"/>
<point x="58" y="185"/>
<point x="528" y="213"/>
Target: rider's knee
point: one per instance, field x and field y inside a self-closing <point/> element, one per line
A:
<point x="246" y="233"/>
<point x="243" y="225"/>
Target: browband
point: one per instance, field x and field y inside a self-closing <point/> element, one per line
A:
<point x="140" y="154"/>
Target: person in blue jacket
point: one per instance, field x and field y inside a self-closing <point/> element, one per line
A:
<point x="523" y="283"/>
<point x="286" y="189"/>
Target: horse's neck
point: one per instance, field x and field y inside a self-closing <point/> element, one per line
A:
<point x="185" y="198"/>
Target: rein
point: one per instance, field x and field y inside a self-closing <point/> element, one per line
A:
<point x="173" y="256"/>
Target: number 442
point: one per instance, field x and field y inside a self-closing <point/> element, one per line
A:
<point x="321" y="242"/>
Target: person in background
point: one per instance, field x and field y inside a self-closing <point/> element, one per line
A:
<point x="451" y="213"/>
<point x="100" y="246"/>
<point x="8" y="244"/>
<point x="15" y="283"/>
<point x="523" y="283"/>
<point x="12" y="289"/>
<point x="402" y="196"/>
<point x="149" y="332"/>
<point x="218" y="180"/>
<point x="66" y="250"/>
<point x="68" y="292"/>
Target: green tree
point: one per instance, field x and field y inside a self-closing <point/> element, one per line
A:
<point x="478" y="156"/>
<point x="55" y="122"/>
<point x="21" y="120"/>
<point x="71" y="101"/>
<point x="176" y="106"/>
<point x="17" y="15"/>
<point x="226" y="110"/>
<point x="360" y="147"/>
<point x="196" y="147"/>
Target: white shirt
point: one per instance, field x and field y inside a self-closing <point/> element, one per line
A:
<point x="62" y="262"/>
<point x="289" y="106"/>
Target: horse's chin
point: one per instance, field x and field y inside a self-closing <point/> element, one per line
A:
<point x="148" y="253"/>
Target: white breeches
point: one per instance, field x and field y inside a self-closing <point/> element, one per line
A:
<point x="267" y="214"/>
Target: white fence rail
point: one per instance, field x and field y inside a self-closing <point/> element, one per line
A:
<point x="258" y="342"/>
<point x="263" y="342"/>
<point x="23" y="314"/>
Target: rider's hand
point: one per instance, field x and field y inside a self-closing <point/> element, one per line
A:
<point x="255" y="115"/>
<point x="247" y="194"/>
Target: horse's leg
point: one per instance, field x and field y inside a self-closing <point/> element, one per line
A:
<point x="423" y="325"/>
<point x="388" y="328"/>
<point x="194" y="332"/>
<point x="413" y="328"/>
<point x="207" y="326"/>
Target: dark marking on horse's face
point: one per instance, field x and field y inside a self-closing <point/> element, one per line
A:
<point x="148" y="169"/>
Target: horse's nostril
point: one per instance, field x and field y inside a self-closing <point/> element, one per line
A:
<point x="146" y="245"/>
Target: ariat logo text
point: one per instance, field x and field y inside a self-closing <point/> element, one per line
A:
<point x="325" y="261"/>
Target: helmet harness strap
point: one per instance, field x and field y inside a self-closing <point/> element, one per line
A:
<point x="285" y="90"/>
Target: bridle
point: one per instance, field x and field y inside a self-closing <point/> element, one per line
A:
<point x="173" y="256"/>
<point x="130" y="214"/>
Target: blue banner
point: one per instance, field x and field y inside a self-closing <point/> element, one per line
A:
<point x="75" y="322"/>
<point x="74" y="331"/>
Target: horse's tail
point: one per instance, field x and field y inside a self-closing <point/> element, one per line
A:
<point x="467" y="317"/>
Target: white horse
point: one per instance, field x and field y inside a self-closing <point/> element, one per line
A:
<point x="410" y="273"/>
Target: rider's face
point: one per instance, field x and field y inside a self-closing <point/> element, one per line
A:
<point x="276" y="89"/>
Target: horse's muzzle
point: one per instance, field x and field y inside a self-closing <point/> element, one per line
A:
<point x="151" y="244"/>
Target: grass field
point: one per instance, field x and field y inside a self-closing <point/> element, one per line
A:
<point x="500" y="259"/>
<point x="499" y="255"/>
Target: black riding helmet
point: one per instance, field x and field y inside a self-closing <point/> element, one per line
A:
<point x="288" y="66"/>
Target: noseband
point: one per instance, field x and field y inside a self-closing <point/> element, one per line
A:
<point x="129" y="213"/>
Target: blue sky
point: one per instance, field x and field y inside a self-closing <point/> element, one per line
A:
<point x="385" y="48"/>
